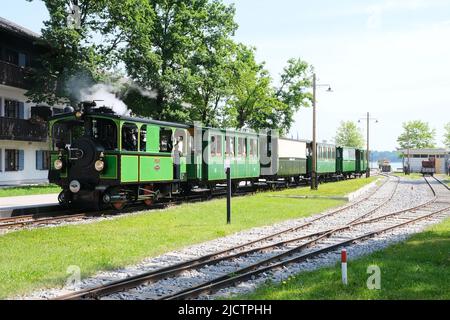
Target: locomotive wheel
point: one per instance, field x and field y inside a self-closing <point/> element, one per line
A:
<point x="119" y="205"/>
<point x="148" y="190"/>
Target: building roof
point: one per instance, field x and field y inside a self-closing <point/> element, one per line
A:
<point x="428" y="151"/>
<point x="16" y="29"/>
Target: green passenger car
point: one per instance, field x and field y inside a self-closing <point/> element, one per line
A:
<point x="346" y="160"/>
<point x="238" y="148"/>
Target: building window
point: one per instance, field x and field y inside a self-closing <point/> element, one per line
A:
<point x="12" y="56"/>
<point x="42" y="160"/>
<point x="14" y="109"/>
<point x="14" y="160"/>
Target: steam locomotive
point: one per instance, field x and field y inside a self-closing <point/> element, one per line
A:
<point x="101" y="159"/>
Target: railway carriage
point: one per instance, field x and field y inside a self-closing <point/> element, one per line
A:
<point x="345" y="161"/>
<point x="326" y="161"/>
<point x="361" y="161"/>
<point x="238" y="148"/>
<point x="282" y="159"/>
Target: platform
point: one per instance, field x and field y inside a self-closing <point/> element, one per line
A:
<point x="11" y="206"/>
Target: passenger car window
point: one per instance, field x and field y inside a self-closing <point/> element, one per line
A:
<point x="229" y="143"/>
<point x="180" y="141"/>
<point x="165" y="140"/>
<point x="129" y="137"/>
<point x="143" y="138"/>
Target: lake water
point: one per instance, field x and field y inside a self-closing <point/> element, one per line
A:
<point x="394" y="165"/>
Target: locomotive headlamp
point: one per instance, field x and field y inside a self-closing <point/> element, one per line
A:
<point x="99" y="165"/>
<point x="78" y="114"/>
<point x="58" y="164"/>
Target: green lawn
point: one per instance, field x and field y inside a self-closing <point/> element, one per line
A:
<point x="412" y="176"/>
<point x="416" y="269"/>
<point x="29" y="190"/>
<point x="341" y="188"/>
<point x="40" y="257"/>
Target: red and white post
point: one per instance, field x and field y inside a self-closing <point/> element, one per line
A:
<point x="344" y="266"/>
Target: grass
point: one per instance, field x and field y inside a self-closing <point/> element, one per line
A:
<point x="341" y="188"/>
<point x="416" y="269"/>
<point x="412" y="176"/>
<point x="31" y="259"/>
<point x="29" y="190"/>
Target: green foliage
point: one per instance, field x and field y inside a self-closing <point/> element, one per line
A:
<point x="256" y="104"/>
<point x="29" y="190"/>
<point x="416" y="135"/>
<point x="75" y="58"/>
<point x="447" y="135"/>
<point x="295" y="81"/>
<point x="179" y="56"/>
<point x="348" y="135"/>
<point x="183" y="56"/>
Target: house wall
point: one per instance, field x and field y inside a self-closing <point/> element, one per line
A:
<point x="29" y="174"/>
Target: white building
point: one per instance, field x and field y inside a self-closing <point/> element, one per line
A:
<point x="23" y="137"/>
<point x="416" y="156"/>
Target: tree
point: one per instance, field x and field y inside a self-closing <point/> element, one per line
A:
<point x="447" y="135"/>
<point x="77" y="57"/>
<point x="184" y="41"/>
<point x="416" y="135"/>
<point x="348" y="135"/>
<point x="296" y="80"/>
<point x="256" y="104"/>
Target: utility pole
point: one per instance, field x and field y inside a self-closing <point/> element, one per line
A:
<point x="368" y="118"/>
<point x="314" y="146"/>
<point x="314" y="183"/>
<point x="368" y="149"/>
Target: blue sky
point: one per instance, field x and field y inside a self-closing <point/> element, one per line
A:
<point x="387" y="57"/>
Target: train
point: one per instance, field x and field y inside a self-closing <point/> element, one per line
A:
<point x="102" y="159"/>
<point x="428" y="166"/>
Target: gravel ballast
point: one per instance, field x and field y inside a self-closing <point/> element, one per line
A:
<point x="408" y="193"/>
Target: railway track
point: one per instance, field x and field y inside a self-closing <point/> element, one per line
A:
<point x="260" y="245"/>
<point x="22" y="221"/>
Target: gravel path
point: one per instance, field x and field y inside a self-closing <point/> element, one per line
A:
<point x="408" y="193"/>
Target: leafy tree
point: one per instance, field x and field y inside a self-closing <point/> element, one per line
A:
<point x="256" y="104"/>
<point x="447" y="135"/>
<point x="77" y="57"/>
<point x="417" y="134"/>
<point x="348" y="135"/>
<point x="294" y="90"/>
<point x="186" y="36"/>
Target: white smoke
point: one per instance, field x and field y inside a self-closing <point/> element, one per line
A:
<point x="107" y="95"/>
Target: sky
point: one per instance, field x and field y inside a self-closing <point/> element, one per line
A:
<point x="387" y="57"/>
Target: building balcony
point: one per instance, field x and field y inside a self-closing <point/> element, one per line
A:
<point x="23" y="130"/>
<point x="13" y="75"/>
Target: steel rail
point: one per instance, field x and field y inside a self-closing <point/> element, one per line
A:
<point x="42" y="220"/>
<point x="249" y="271"/>
<point x="213" y="258"/>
